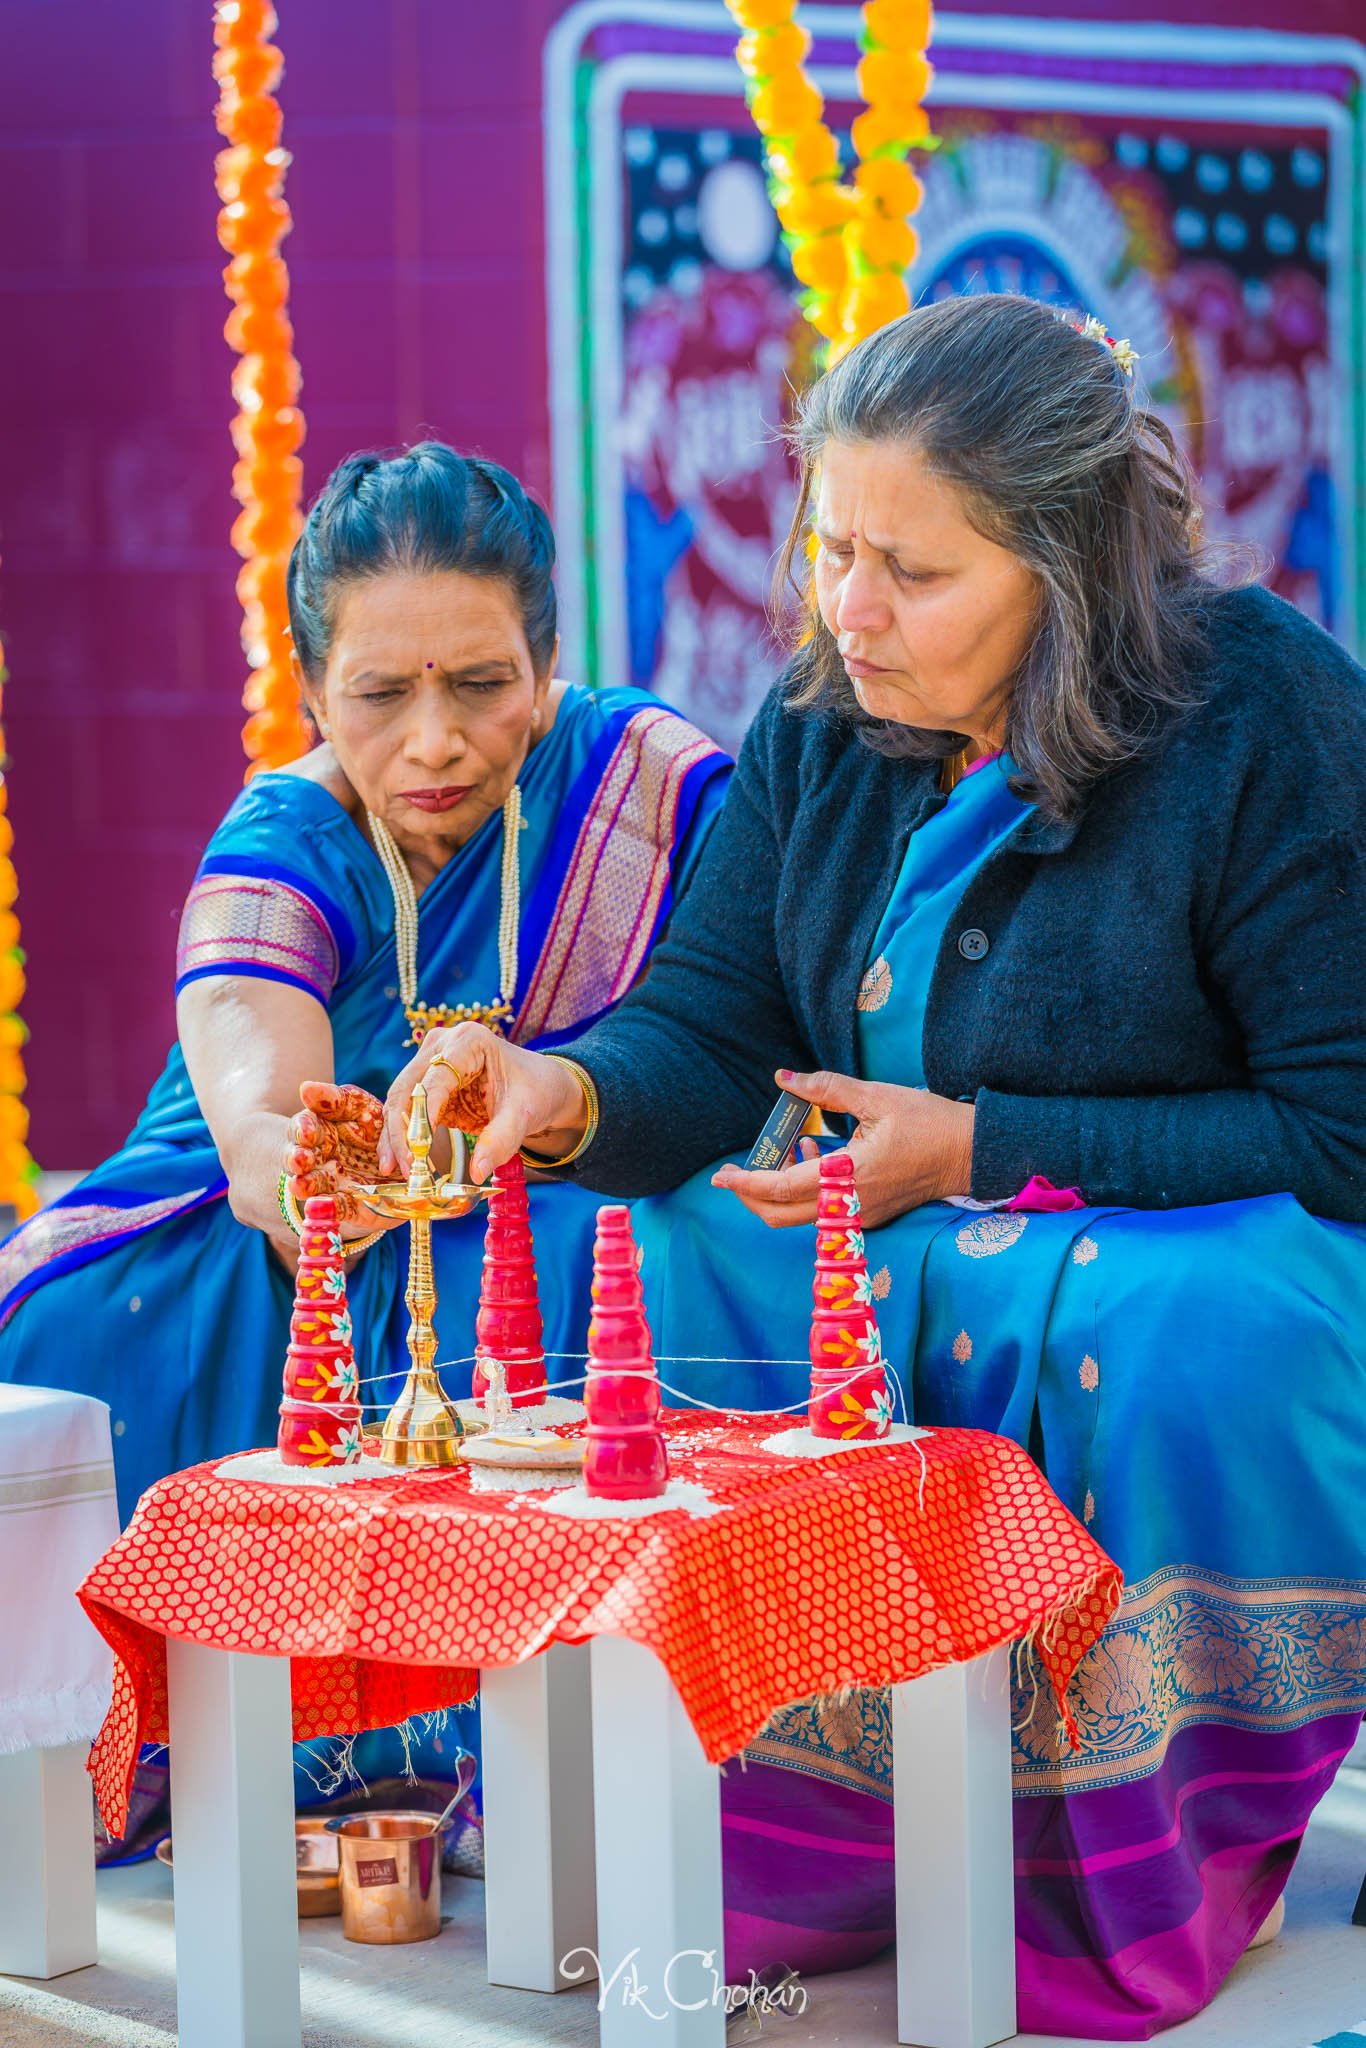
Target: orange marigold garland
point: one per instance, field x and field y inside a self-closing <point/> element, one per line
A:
<point x="18" y="1174"/>
<point x="851" y="244"/>
<point x="267" y="478"/>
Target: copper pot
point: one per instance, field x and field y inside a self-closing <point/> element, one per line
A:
<point x="316" y="1858"/>
<point x="390" y="1876"/>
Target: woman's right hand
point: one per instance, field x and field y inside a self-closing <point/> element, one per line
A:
<point x="477" y="1082"/>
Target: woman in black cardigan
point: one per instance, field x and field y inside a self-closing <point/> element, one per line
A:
<point x="1049" y="856"/>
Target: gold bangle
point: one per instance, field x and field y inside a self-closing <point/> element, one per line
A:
<point x="289" y="1209"/>
<point x="588" y="1089"/>
<point x="353" y="1246"/>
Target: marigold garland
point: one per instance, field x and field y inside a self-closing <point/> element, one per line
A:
<point x="851" y="244"/>
<point x="18" y="1173"/>
<point x="267" y="478"/>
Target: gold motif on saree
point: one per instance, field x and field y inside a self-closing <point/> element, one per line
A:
<point x="1089" y="1374"/>
<point x="984" y="1236"/>
<point x="1184" y="1647"/>
<point x="962" y="1347"/>
<point x="840" y="1721"/>
<point x="1188" y="1646"/>
<point x="882" y="1283"/>
<point x="844" y="1737"/>
<point x="876" y="985"/>
<point x="1084" y="1250"/>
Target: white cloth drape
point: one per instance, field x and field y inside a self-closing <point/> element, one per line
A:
<point x="57" y="1516"/>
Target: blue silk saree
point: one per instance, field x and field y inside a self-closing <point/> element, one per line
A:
<point x="140" y="1287"/>
<point x="1192" y="1381"/>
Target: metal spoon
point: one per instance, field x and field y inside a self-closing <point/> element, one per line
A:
<point x="442" y="1818"/>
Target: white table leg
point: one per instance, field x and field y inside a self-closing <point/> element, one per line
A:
<point x="539" y="1903"/>
<point x="658" y="1825"/>
<point x="955" y="1901"/>
<point x="232" y="1822"/>
<point x="47" y="1873"/>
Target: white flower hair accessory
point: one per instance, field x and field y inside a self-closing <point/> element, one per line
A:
<point x="1124" y="352"/>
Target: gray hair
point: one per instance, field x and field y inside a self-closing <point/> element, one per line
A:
<point x="1040" y="430"/>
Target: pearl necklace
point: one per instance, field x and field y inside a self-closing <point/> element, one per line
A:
<point x="424" y="1017"/>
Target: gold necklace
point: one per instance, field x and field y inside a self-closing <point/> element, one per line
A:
<point x="425" y="1017"/>
<point x="952" y="769"/>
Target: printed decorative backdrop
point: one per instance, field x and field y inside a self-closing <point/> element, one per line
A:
<point x="1200" y="192"/>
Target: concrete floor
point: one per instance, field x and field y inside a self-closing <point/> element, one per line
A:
<point x="1309" y="1985"/>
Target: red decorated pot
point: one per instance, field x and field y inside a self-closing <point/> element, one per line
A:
<point x="626" y="1464"/>
<point x="850" y="1405"/>
<point x="320" y="1280"/>
<point x="508" y="1329"/>
<point x="320" y="1323"/>
<point x="619" y="1336"/>
<point x="623" y="1400"/>
<point x="310" y="1435"/>
<point x="320" y="1372"/>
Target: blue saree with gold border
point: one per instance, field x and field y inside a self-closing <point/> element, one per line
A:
<point x="1192" y="1381"/>
<point x="140" y="1287"/>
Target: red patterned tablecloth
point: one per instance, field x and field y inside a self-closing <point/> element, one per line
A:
<point x="866" y="1568"/>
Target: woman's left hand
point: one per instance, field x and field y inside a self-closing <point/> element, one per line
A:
<point x="332" y="1145"/>
<point x="909" y="1147"/>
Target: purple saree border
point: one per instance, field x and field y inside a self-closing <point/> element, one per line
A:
<point x="695" y="782"/>
<point x="103" y="1235"/>
<point x="579" y="876"/>
<point x="247" y="868"/>
<point x="249" y="971"/>
<point x="1133" y="1902"/>
<point x="1134" y="1925"/>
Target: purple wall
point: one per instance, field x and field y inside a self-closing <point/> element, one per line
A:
<point x="418" y="304"/>
<point x="417" y="267"/>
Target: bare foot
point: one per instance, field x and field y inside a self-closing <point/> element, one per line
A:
<point x="1271" y="1926"/>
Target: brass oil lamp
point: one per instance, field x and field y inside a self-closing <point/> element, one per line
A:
<point x="422" y="1427"/>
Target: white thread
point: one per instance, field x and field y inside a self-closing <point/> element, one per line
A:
<point x="323" y="1407"/>
<point x="906" y="1418"/>
<point x="681" y="1393"/>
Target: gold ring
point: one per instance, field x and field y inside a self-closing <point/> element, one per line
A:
<point x="442" y="1061"/>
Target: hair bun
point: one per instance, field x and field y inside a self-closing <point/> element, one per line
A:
<point x="425" y="511"/>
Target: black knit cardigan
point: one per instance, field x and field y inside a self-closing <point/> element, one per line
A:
<point x="1161" y="1002"/>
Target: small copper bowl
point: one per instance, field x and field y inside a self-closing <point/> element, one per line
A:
<point x="317" y="1862"/>
<point x="390" y="1876"/>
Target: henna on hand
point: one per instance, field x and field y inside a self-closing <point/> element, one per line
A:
<point x="333" y="1145"/>
<point x="467" y="1109"/>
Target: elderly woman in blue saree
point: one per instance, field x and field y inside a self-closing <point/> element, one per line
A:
<point x="526" y="836"/>
<point x="1048" y="853"/>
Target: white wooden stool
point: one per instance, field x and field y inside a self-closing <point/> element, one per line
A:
<point x="603" y="1848"/>
<point x="57" y="1517"/>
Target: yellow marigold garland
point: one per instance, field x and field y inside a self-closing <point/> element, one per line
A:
<point x="18" y="1173"/>
<point x="267" y="478"/>
<point x="851" y="244"/>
